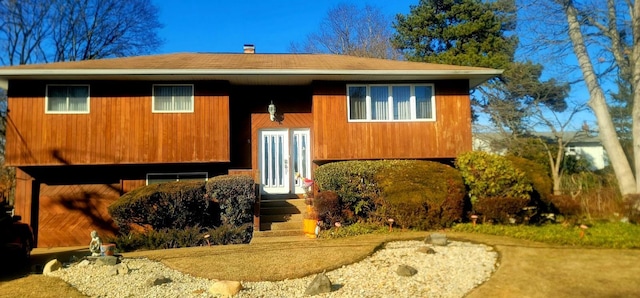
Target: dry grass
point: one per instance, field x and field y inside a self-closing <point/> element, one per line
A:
<point x="256" y="262"/>
<point x="36" y="285"/>
<point x="527" y="269"/>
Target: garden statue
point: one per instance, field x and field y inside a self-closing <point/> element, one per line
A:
<point x="95" y="244"/>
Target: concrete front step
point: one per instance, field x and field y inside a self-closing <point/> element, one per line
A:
<point x="281" y="217"/>
<point x="281" y="210"/>
<point x="278" y="233"/>
<point x="282" y="203"/>
<point x="277" y="226"/>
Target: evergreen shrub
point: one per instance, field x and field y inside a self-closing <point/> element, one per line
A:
<point x="499" y="209"/>
<point x="417" y="194"/>
<point x="177" y="238"/>
<point x="495" y="186"/>
<point x="171" y="205"/>
<point x="490" y="175"/>
<point x="327" y="207"/>
<point x="538" y="175"/>
<point x="236" y="197"/>
<point x="421" y="195"/>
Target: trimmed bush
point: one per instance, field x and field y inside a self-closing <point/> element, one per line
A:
<point x="498" y="209"/>
<point x="171" y="205"/>
<point x="421" y="195"/>
<point x="566" y="205"/>
<point x="355" y="183"/>
<point x="236" y="196"/>
<point x="538" y="175"/>
<point x="327" y="206"/>
<point x="489" y="175"/>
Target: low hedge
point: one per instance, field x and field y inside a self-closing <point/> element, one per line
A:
<point x="171" y="205"/>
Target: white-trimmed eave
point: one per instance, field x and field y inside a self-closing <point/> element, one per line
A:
<point x="284" y="76"/>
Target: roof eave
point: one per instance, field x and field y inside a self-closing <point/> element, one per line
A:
<point x="475" y="77"/>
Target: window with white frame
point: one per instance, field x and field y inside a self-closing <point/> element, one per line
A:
<point x="154" y="178"/>
<point x="402" y="102"/>
<point x="72" y="99"/>
<point x="172" y="98"/>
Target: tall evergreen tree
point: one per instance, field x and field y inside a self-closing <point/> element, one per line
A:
<point x="458" y="32"/>
<point x="480" y="33"/>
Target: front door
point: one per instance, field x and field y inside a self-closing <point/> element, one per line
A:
<point x="284" y="158"/>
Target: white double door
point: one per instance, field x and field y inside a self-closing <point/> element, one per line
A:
<point x="284" y="155"/>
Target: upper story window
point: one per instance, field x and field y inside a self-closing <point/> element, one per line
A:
<point x="391" y="102"/>
<point x="172" y="98"/>
<point x="67" y="99"/>
<point x="153" y="178"/>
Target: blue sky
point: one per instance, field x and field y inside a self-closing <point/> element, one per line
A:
<point x="225" y="26"/>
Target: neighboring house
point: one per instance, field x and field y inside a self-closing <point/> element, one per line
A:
<point x="83" y="133"/>
<point x="583" y="146"/>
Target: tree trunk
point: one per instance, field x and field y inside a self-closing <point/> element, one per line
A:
<point x="597" y="102"/>
<point x="635" y="86"/>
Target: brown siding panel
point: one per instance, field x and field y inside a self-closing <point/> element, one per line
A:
<point x="120" y="127"/>
<point x="337" y="139"/>
<point x="68" y="213"/>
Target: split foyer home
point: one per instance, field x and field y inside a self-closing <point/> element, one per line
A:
<point x="83" y="133"/>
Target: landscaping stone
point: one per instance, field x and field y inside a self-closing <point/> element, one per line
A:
<point x="119" y="269"/>
<point x="158" y="280"/>
<point x="51" y="266"/>
<point x="225" y="287"/>
<point x="406" y="270"/>
<point x="436" y="239"/>
<point x="320" y="284"/>
<point x="426" y="250"/>
<point x="107" y="260"/>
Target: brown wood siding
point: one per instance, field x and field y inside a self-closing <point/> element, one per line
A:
<point x="337" y="139"/>
<point x="120" y="128"/>
<point x="22" y="195"/>
<point x="68" y="213"/>
<point x="262" y="121"/>
<point x="129" y="185"/>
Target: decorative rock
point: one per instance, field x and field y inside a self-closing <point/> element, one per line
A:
<point x="426" y="250"/>
<point x="225" y="287"/>
<point x="84" y="263"/>
<point x="107" y="260"/>
<point x="51" y="266"/>
<point x="436" y="239"/>
<point x="119" y="269"/>
<point x="158" y="280"/>
<point x="320" y="284"/>
<point x="405" y="270"/>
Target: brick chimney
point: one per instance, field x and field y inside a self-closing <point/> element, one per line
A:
<point x="249" y="49"/>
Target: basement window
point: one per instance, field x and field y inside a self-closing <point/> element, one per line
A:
<point x="154" y="178"/>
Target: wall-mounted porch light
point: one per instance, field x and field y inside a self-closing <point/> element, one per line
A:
<point x="272" y="111"/>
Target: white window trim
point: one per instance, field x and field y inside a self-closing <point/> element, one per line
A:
<point x="46" y="99"/>
<point x="206" y="175"/>
<point x="153" y="99"/>
<point x="412" y="103"/>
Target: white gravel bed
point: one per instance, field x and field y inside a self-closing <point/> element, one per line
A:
<point x="452" y="271"/>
